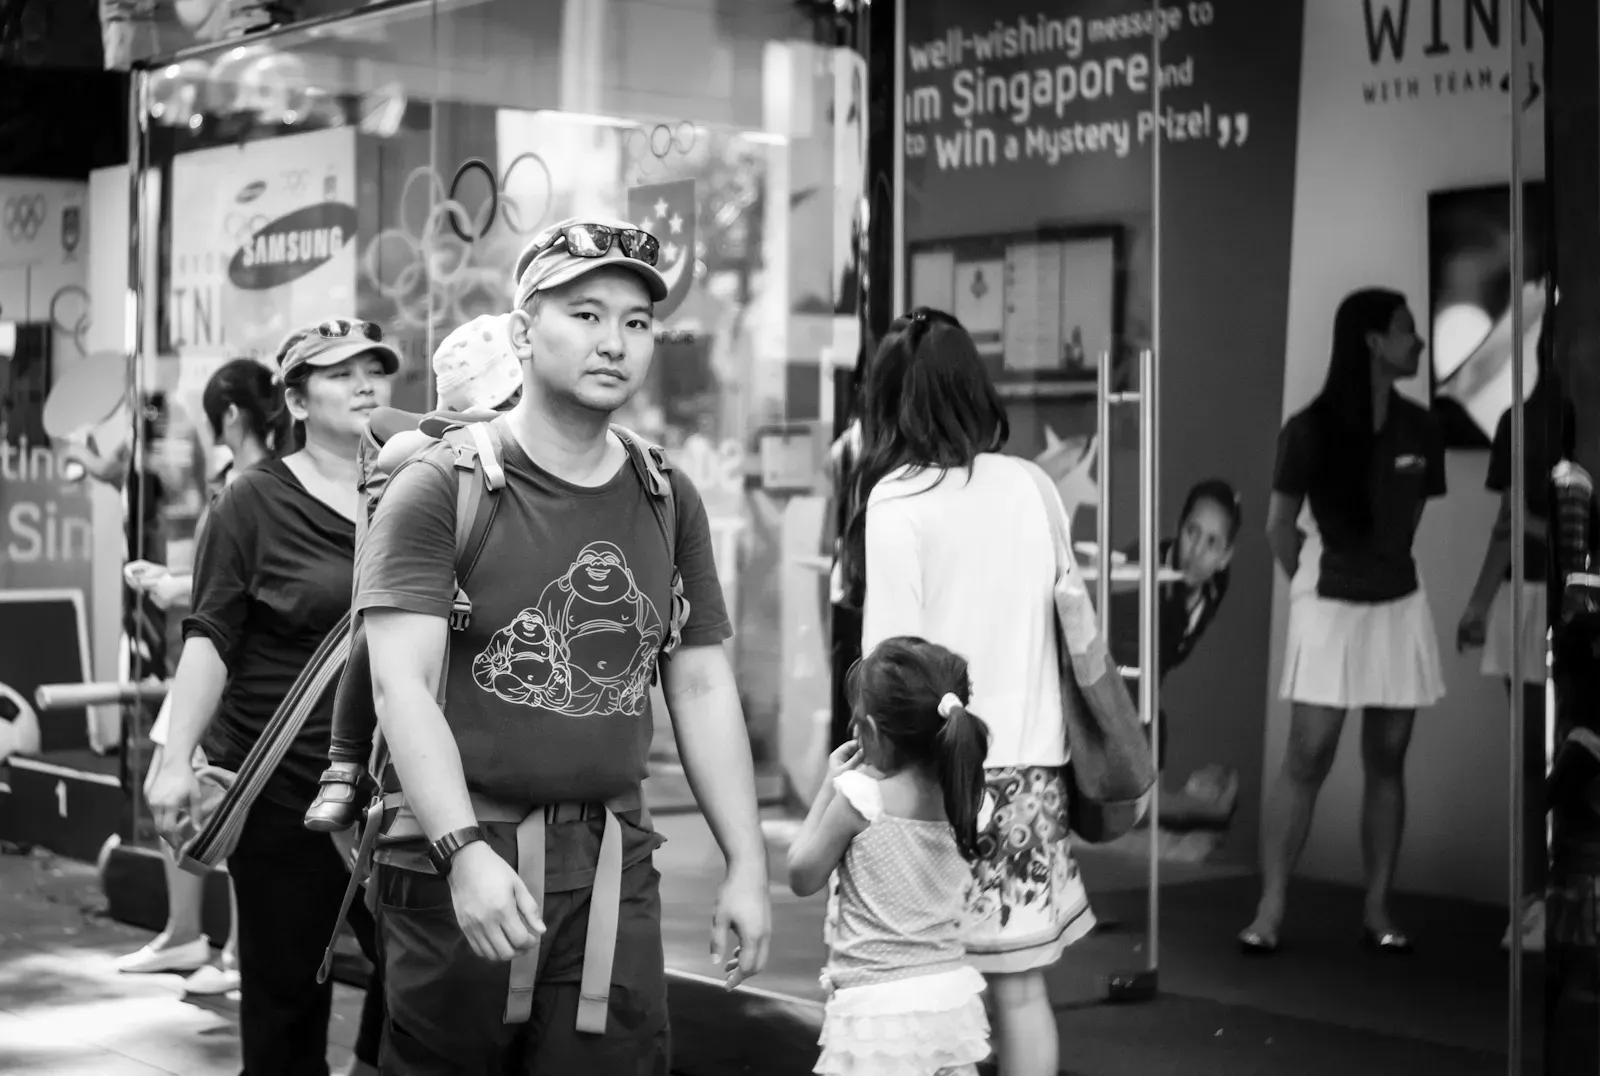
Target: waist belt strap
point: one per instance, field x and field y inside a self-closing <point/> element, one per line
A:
<point x="605" y="899"/>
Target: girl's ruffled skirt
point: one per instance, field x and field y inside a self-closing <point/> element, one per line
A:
<point x="920" y="1026"/>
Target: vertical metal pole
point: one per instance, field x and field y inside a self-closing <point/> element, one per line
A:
<point x="133" y="308"/>
<point x="898" y="180"/>
<point x="1102" y="510"/>
<point x="1519" y="484"/>
<point x="1149" y="499"/>
<point x="1149" y="584"/>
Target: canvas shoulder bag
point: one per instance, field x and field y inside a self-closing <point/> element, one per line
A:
<point x="1112" y="771"/>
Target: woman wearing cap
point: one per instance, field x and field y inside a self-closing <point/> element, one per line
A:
<point x="272" y="577"/>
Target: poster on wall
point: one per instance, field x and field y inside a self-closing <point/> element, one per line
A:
<point x="44" y="259"/>
<point x="1471" y="305"/>
<point x="262" y="241"/>
<point x="46" y="534"/>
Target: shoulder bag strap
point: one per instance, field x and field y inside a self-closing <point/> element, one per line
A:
<point x="1054" y="512"/>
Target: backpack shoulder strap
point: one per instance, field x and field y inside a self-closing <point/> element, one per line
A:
<point x="650" y="462"/>
<point x="479" y="471"/>
<point x="655" y="473"/>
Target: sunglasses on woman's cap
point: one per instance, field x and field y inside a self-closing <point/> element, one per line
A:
<point x="331" y="342"/>
<point x="573" y="248"/>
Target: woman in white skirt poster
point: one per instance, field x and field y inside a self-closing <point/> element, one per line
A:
<point x="1361" y="635"/>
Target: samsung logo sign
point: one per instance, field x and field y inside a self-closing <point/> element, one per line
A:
<point x="292" y="246"/>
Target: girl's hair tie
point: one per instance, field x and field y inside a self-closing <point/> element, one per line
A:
<point x="949" y="705"/>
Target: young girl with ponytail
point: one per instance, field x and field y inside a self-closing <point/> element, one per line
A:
<point x="897" y="818"/>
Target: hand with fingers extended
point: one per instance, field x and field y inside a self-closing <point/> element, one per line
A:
<point x="494" y="908"/>
<point x="743" y="916"/>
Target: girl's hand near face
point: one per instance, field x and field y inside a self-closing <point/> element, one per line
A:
<point x="846" y="757"/>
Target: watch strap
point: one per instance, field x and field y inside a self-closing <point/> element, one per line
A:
<point x="443" y="850"/>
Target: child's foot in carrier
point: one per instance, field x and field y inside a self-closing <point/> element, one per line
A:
<point x="337" y="806"/>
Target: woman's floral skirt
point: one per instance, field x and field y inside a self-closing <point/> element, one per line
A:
<point x="1026" y="902"/>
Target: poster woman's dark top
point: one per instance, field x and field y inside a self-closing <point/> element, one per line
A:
<point x="1178" y="626"/>
<point x="1368" y="564"/>
<point x="272" y="576"/>
<point x="1545" y="445"/>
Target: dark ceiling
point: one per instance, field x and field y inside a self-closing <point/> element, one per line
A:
<point x="60" y="114"/>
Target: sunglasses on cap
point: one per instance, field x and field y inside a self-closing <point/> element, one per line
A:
<point x="344" y="328"/>
<point x="595" y="240"/>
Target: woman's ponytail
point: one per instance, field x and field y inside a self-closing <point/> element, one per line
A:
<point x="963" y="747"/>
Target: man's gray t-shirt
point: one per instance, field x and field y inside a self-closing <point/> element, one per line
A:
<point x="549" y="684"/>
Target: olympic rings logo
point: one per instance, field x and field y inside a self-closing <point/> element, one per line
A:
<point x="660" y="142"/>
<point x="503" y="203"/>
<point x="242" y="227"/>
<point x="429" y="272"/>
<point x="71" y="315"/>
<point x="24" y="216"/>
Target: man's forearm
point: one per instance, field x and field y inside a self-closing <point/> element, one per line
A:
<point x="424" y="753"/>
<point x="715" y="749"/>
<point x="196" y="690"/>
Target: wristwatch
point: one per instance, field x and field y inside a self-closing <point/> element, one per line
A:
<point x="443" y="850"/>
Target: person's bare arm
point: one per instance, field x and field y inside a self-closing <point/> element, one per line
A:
<point x="408" y="651"/>
<point x="196" y="689"/>
<point x="1284" y="537"/>
<point x="195" y="692"/>
<point x="715" y="748"/>
<point x="1496" y="559"/>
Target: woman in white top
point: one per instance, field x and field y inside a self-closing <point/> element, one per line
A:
<point x="955" y="546"/>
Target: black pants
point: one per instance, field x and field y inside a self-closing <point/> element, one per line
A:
<point x="844" y="645"/>
<point x="288" y="882"/>
<point x="447" y="1004"/>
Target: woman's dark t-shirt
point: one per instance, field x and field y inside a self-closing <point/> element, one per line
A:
<point x="1544" y="448"/>
<point x="1179" y="625"/>
<point x="1367" y="564"/>
<point x="272" y="576"/>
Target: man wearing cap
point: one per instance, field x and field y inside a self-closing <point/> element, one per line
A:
<point x="546" y="726"/>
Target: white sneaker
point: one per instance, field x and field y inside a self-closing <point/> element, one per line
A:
<point x="155" y="958"/>
<point x="211" y="980"/>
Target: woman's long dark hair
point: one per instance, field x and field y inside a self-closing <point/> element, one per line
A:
<point x="928" y="403"/>
<point x="899" y="686"/>
<point x="1341" y="415"/>
<point x="249" y="386"/>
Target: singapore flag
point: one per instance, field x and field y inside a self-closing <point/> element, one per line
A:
<point x="666" y="211"/>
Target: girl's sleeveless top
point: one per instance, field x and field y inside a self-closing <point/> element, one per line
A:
<point x="896" y="912"/>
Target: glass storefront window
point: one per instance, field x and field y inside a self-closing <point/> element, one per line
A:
<point x="391" y="164"/>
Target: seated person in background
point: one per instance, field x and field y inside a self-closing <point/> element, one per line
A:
<point x="477" y="375"/>
<point x="1202" y="550"/>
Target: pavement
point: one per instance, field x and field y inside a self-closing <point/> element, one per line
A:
<point x="65" y="1010"/>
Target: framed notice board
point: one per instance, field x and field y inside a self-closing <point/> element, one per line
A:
<point x="1042" y="306"/>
